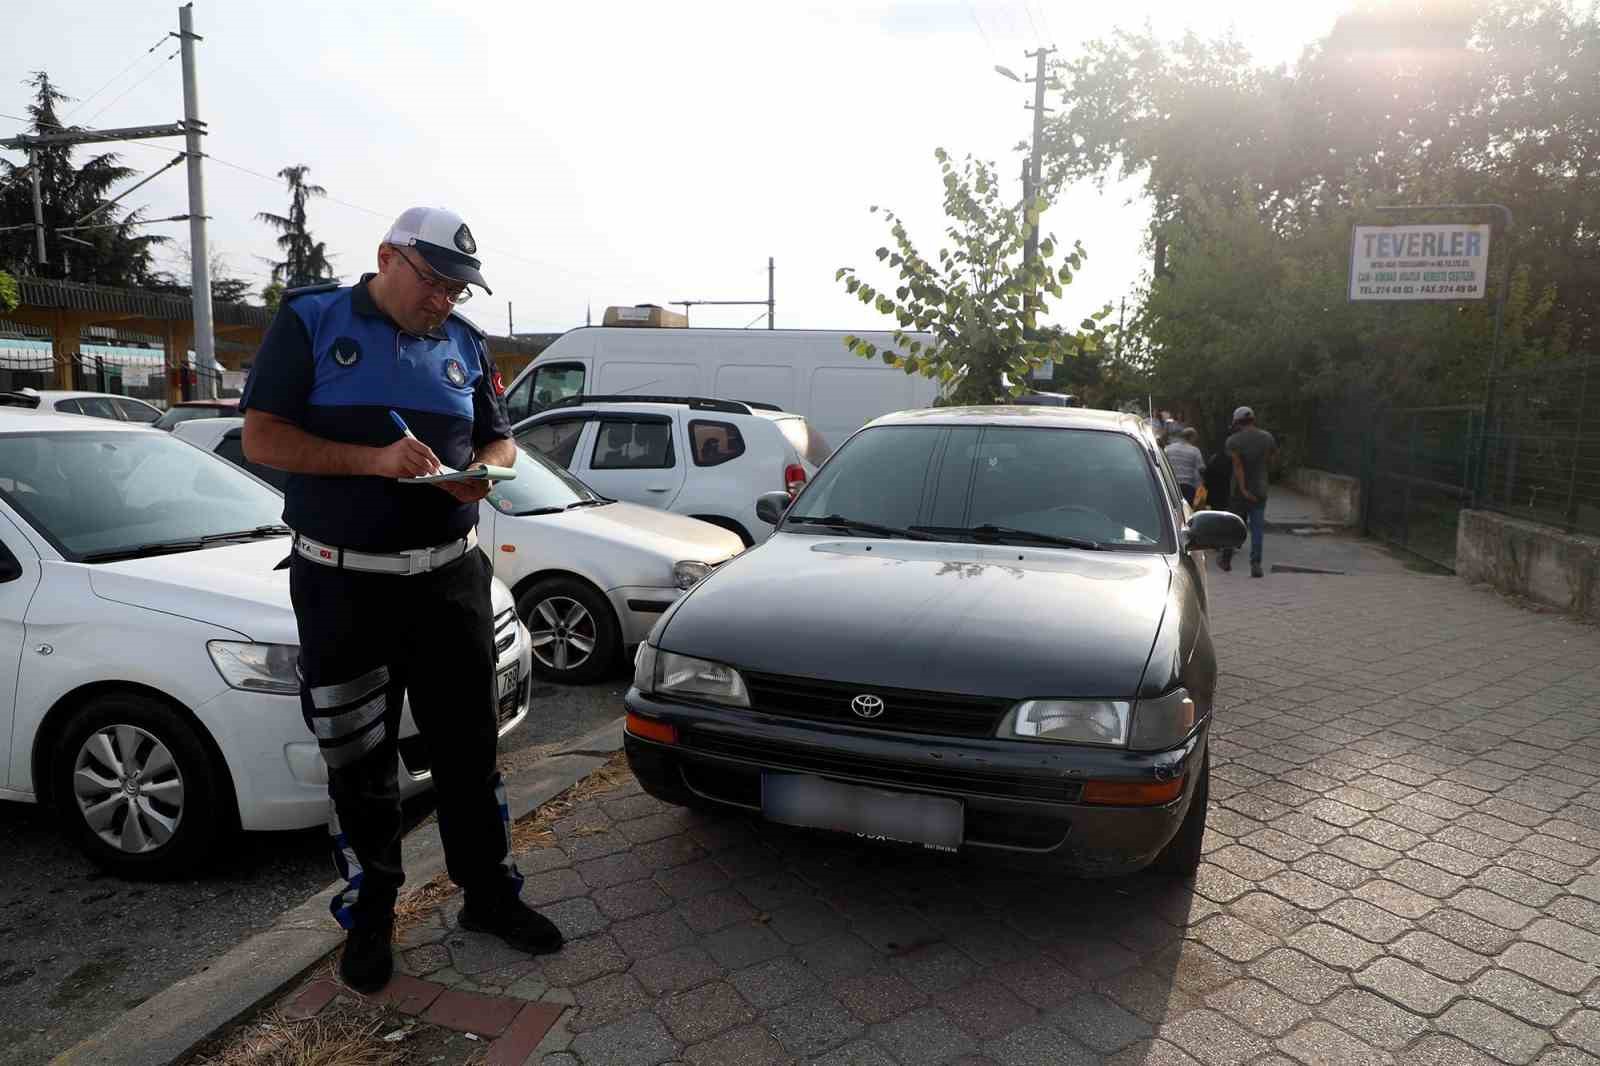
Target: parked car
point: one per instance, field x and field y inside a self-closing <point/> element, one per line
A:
<point x="185" y="410"/>
<point x="92" y="404"/>
<point x="705" y="458"/>
<point x="225" y="436"/>
<point x="148" y="647"/>
<point x="977" y="629"/>
<point x="590" y="575"/>
<point x="807" y="371"/>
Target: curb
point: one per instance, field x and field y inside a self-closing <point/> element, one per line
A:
<point x="174" y="1021"/>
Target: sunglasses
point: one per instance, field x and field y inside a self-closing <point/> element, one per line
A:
<point x="434" y="283"/>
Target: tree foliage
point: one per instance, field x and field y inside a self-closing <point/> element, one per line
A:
<point x="305" y="259"/>
<point x="978" y="302"/>
<point x="224" y="287"/>
<point x="119" y="255"/>
<point x="1255" y="175"/>
<point x="8" y="292"/>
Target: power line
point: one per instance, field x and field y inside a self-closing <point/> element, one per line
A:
<point x="981" y="31"/>
<point x="118" y="74"/>
<point x="152" y="73"/>
<point x="1027" y="9"/>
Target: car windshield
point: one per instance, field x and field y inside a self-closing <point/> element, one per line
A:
<point x="540" y="487"/>
<point x="95" y="494"/>
<point x="992" y="484"/>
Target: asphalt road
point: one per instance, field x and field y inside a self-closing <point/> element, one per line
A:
<point x="78" y="947"/>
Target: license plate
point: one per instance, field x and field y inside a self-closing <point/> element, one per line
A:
<point x="877" y="814"/>
<point x="506" y="681"/>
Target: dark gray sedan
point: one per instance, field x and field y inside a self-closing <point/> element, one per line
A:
<point x="977" y="629"/>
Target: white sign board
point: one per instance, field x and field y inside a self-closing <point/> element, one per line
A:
<point x="1045" y="371"/>
<point x="1432" y="262"/>
<point x="135" y="377"/>
<point x="233" y="380"/>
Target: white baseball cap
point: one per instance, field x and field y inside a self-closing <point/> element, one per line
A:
<point x="443" y="240"/>
<point x="1240" y="414"/>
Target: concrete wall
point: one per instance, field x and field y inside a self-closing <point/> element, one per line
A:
<point x="1532" y="560"/>
<point x="1339" y="495"/>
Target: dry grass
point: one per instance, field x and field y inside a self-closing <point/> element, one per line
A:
<point x="416" y="905"/>
<point x="340" y="1036"/>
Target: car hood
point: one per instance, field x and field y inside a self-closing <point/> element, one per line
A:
<point x="673" y="537"/>
<point x="1017" y="622"/>
<point x="235" y="586"/>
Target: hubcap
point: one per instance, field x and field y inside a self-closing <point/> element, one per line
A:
<point x="564" y="633"/>
<point x="128" y="788"/>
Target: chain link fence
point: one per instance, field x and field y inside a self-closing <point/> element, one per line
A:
<point x="1541" y="452"/>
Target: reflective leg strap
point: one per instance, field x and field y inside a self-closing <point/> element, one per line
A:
<point x="346" y="866"/>
<point x="508" y="865"/>
<point x="347" y="718"/>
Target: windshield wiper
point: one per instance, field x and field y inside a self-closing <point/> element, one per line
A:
<point x="839" y="521"/>
<point x="187" y="544"/>
<point x="990" y="531"/>
<point x="277" y="529"/>
<point x="600" y="502"/>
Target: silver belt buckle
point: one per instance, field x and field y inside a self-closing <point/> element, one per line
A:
<point x="421" y="562"/>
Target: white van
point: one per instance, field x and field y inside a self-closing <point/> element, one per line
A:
<point x="808" y="372"/>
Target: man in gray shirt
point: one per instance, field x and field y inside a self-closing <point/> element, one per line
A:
<point x="1251" y="450"/>
<point x="1187" y="463"/>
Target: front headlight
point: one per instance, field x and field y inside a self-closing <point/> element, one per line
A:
<point x="688" y="573"/>
<point x="680" y="675"/>
<point x="644" y="669"/>
<point x="256" y="667"/>
<point x="1069" y="721"/>
<point x="1163" y="722"/>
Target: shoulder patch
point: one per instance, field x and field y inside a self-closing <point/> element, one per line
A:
<point x="307" y="290"/>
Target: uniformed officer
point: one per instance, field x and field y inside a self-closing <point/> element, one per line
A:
<point x="390" y="594"/>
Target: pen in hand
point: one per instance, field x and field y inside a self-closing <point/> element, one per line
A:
<point x="400" y="423"/>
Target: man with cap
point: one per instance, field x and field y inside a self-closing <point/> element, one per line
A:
<point x="1251" y="449"/>
<point x="355" y="388"/>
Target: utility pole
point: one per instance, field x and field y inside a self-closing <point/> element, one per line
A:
<point x="771" y="293"/>
<point x="38" y="208"/>
<point x="1030" y="187"/>
<point x="205" y="346"/>
<point x="511" y="327"/>
<point x="770" y="303"/>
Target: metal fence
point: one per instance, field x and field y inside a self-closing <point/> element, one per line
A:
<point x="120" y="374"/>
<point x="1540" y="454"/>
<point x="1534" y="454"/>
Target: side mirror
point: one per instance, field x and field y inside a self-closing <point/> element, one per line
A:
<point x="1214" y="529"/>
<point x="771" y="505"/>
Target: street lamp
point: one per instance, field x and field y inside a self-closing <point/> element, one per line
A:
<point x="1008" y="73"/>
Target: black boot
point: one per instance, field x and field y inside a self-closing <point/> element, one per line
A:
<point x="513" y="921"/>
<point x="368" y="962"/>
<point x="1225" y="560"/>
<point x="1255" y="570"/>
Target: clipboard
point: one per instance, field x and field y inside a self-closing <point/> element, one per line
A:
<point x="471" y="473"/>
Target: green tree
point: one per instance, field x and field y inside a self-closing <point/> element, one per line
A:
<point x="272" y="295"/>
<point x="224" y="287"/>
<point x="117" y="255"/>
<point x="305" y="259"/>
<point x="8" y="292"/>
<point x="978" y="300"/>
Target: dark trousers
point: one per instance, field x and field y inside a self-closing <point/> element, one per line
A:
<point x="366" y="642"/>
<point x="1255" y="517"/>
<point x="1188" y="493"/>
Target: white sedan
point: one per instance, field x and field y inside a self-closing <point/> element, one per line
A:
<point x="148" y="647"/>
<point x="590" y="575"/>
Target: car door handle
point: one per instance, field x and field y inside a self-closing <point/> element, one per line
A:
<point x="663" y="488"/>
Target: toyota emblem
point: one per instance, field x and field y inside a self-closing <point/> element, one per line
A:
<point x="867" y="706"/>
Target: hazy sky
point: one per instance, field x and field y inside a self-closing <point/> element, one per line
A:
<point x="609" y="152"/>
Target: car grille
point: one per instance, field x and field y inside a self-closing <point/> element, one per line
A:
<point x="904" y="710"/>
<point x="833" y="762"/>
<point x="505" y="630"/>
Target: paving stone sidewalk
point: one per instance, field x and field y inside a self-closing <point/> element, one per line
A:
<point x="1401" y="868"/>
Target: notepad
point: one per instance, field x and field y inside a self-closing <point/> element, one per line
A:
<point x="472" y="473"/>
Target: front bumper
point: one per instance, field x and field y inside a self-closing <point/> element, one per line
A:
<point x="1018" y="796"/>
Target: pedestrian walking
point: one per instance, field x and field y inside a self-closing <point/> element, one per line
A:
<point x="1219" y="475"/>
<point x="355" y="388"/>
<point x="1187" y="463"/>
<point x="1250" y="449"/>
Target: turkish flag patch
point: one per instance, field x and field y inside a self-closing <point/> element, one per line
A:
<point x="499" y="384"/>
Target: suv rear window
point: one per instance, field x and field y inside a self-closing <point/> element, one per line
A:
<point x="715" y="443"/>
<point x="806" y="440"/>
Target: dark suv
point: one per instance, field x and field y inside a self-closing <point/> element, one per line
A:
<point x="977" y="628"/>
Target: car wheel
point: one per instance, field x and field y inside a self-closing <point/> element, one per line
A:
<point x="137" y="789"/>
<point x="1181" y="856"/>
<point x="576" y="638"/>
